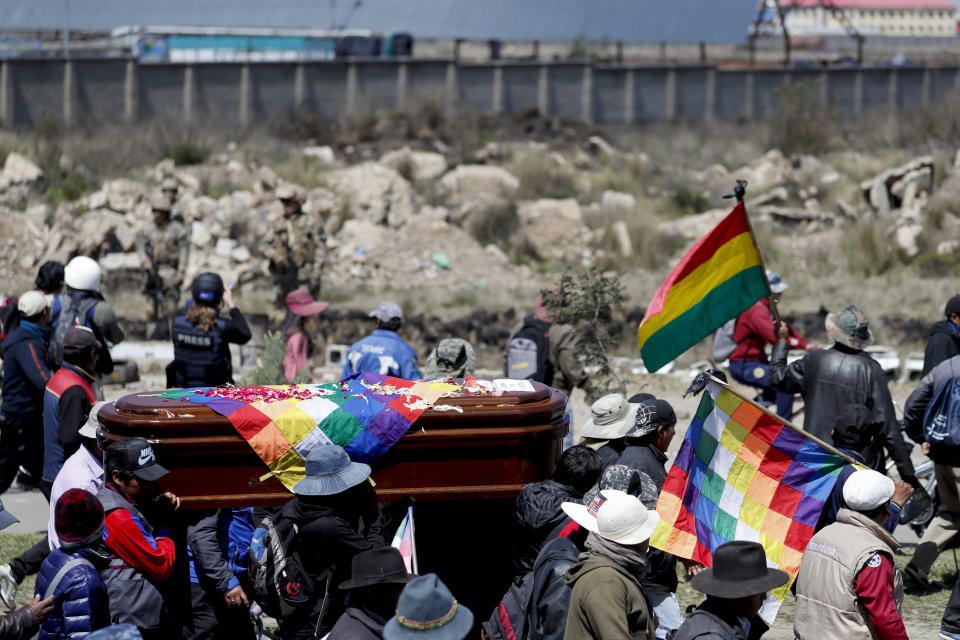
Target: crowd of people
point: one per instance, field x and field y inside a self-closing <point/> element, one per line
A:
<point x="121" y="557"/>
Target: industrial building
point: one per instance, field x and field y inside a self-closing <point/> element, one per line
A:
<point x="888" y="18"/>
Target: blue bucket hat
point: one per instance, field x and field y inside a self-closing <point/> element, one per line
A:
<point x="329" y="471"/>
<point x="428" y="611"/>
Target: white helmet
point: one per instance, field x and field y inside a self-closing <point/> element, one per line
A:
<point x="82" y="273"/>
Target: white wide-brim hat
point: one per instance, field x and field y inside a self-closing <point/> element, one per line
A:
<point x="620" y="517"/>
<point x="611" y="418"/>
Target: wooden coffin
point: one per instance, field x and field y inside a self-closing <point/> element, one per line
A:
<point x="490" y="450"/>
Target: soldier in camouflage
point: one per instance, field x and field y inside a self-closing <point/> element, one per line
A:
<point x="297" y="251"/>
<point x="170" y="188"/>
<point x="164" y="247"/>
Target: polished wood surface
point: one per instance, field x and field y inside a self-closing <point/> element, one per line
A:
<point x="490" y="450"/>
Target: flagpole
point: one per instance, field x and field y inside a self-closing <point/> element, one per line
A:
<point x="806" y="434"/>
<point x="413" y="541"/>
<point x="739" y="192"/>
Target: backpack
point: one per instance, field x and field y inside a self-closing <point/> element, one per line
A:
<point x="941" y="421"/>
<point x="509" y="619"/>
<point x="280" y="583"/>
<point x="77" y="312"/>
<point x="723" y="343"/>
<point x="528" y="351"/>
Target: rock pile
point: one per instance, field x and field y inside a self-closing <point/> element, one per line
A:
<point x="410" y="218"/>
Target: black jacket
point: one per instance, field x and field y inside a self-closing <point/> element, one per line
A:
<point x="943" y="344"/>
<point x="646" y="458"/>
<point x="832" y="378"/>
<point x="328" y="536"/>
<point x="19" y="625"/>
<point x="357" y="624"/>
<point x="919" y="400"/>
<point x="712" y="622"/>
<point x="550" y="598"/>
<point x="537" y="518"/>
<point x="610" y="452"/>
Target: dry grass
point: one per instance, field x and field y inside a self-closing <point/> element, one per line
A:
<point x="542" y="175"/>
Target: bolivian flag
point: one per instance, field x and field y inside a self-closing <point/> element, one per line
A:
<point x="718" y="279"/>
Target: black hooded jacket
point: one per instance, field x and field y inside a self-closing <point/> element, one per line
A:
<point x="539" y="518"/>
<point x="328" y="536"/>
<point x="943" y="344"/>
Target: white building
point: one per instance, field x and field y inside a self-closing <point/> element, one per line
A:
<point x="894" y="18"/>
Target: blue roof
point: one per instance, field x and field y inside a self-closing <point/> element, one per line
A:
<point x="712" y="21"/>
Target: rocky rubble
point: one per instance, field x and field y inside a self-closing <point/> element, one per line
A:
<point x="411" y="218"/>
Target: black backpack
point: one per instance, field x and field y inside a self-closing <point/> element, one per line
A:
<point x="280" y="583"/>
<point x="75" y="311"/>
<point x="528" y="352"/>
<point x="509" y="619"/>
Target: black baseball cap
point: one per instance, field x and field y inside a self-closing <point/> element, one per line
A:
<point x="953" y="306"/>
<point x="136" y="456"/>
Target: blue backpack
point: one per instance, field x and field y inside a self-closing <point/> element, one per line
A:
<point x="941" y="422"/>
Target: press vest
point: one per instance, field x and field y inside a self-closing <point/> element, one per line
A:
<point x="201" y="358"/>
<point x="53" y="453"/>
<point x="134" y="599"/>
<point x="827" y="604"/>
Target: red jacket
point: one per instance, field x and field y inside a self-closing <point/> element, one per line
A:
<point x="874" y="588"/>
<point x="754" y="330"/>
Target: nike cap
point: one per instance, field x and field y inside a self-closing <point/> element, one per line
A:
<point x="136" y="456"/>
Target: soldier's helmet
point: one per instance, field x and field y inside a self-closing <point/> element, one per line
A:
<point x="159" y="202"/>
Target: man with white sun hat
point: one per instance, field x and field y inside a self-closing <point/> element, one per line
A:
<point x="849" y="584"/>
<point x="607" y="599"/>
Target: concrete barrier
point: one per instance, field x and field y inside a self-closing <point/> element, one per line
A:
<point x="89" y="91"/>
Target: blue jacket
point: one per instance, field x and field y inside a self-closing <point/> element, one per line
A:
<point x="217" y="548"/>
<point x="81" y="602"/>
<point x="26" y="371"/>
<point x="836" y="502"/>
<point x="383" y="352"/>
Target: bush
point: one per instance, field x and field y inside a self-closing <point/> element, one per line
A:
<point x="802" y="121"/>
<point x="690" y="201"/>
<point x="187" y="153"/>
<point x="652" y="248"/>
<point x="64" y="187"/>
<point x="542" y="176"/>
<point x="496" y="224"/>
<point x="933" y="265"/>
<point x="867" y="248"/>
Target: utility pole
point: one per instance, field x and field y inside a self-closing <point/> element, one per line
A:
<point x="66" y="28"/>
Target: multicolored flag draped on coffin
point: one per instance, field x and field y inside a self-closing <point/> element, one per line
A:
<point x="741" y="474"/>
<point x="365" y="414"/>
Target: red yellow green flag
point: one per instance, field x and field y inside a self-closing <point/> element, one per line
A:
<point x="717" y="280"/>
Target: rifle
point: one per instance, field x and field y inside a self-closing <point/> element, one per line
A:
<point x="288" y="278"/>
<point x="154" y="284"/>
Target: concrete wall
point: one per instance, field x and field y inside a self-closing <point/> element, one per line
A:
<point x="91" y="91"/>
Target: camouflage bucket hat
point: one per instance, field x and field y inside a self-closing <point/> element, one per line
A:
<point x="626" y="479"/>
<point x="849" y="327"/>
<point x="453" y="358"/>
